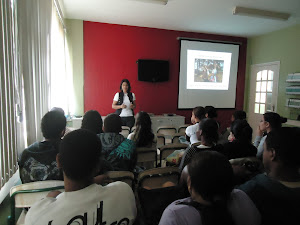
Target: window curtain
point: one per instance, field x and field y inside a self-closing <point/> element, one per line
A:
<point x="34" y="18"/>
<point x="11" y="95"/>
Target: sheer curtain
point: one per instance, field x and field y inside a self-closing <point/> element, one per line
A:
<point x="11" y="137"/>
<point x="32" y="43"/>
<point x="34" y="17"/>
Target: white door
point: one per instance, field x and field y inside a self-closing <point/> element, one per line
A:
<point x="263" y="92"/>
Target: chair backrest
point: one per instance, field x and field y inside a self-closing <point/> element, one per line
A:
<point x="147" y="155"/>
<point x="125" y="131"/>
<point x="25" y="195"/>
<point x="155" y="178"/>
<point x="125" y="176"/>
<point x="166" y="150"/>
<point x="252" y="166"/>
<point x="153" y="195"/>
<point x="181" y="129"/>
<point x="175" y="138"/>
<point x="166" y="130"/>
<point x="161" y="140"/>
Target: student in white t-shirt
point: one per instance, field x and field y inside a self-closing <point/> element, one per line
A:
<point x="124" y="103"/>
<point x="83" y="201"/>
<point x="198" y="114"/>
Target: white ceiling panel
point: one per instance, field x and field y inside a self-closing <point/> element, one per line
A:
<point x="208" y="16"/>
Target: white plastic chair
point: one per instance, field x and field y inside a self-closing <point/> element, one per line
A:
<point x="25" y="195"/>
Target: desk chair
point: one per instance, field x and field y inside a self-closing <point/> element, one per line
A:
<point x="25" y="195"/>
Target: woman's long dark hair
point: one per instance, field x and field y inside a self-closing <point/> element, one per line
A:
<point x="211" y="177"/>
<point x="209" y="128"/>
<point x="128" y="83"/>
<point x="143" y="133"/>
<point x="241" y="130"/>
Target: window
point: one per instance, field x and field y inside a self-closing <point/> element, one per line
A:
<point x="263" y="95"/>
<point x="61" y="81"/>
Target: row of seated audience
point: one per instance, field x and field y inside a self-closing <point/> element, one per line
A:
<point x="212" y="197"/>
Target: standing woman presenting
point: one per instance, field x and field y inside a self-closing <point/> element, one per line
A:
<point x="124" y="103"/>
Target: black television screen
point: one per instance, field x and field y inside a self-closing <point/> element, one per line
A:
<point x="153" y="70"/>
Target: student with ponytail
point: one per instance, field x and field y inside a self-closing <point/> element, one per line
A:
<point x="208" y="135"/>
<point x="213" y="199"/>
<point x="269" y="121"/>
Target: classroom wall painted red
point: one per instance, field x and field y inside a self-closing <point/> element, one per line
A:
<point x="110" y="55"/>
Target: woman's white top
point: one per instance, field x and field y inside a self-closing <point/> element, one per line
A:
<point x="191" y="131"/>
<point x="127" y="111"/>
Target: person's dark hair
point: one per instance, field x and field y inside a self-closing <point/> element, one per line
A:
<point x="209" y="128"/>
<point x="285" y="142"/>
<point x="126" y="81"/>
<point x="112" y="123"/>
<point x="58" y="109"/>
<point x="211" y="111"/>
<point x="211" y="177"/>
<point x="143" y="133"/>
<point x="274" y="119"/>
<point x="53" y="124"/>
<point x="239" y="115"/>
<point x="92" y="121"/>
<point x="79" y="154"/>
<point x="241" y="130"/>
<point x="199" y="112"/>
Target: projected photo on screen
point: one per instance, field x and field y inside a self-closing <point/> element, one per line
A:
<point x="208" y="70"/>
<point x="208" y="74"/>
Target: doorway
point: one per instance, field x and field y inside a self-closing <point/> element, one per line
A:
<point x="263" y="91"/>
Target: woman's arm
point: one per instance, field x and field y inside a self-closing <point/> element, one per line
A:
<point x="115" y="106"/>
<point x="132" y="105"/>
<point x="259" y="135"/>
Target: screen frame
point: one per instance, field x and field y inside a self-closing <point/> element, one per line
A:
<point x="236" y="69"/>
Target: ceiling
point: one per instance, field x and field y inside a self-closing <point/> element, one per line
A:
<point x="204" y="16"/>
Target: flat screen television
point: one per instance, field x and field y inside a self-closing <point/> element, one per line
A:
<point x="153" y="70"/>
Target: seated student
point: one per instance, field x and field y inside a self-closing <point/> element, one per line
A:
<point x="143" y="135"/>
<point x="239" y="144"/>
<point x="211" y="112"/>
<point x="276" y="194"/>
<point x="212" y="197"/>
<point x="83" y="201"/>
<point x="118" y="151"/>
<point x="238" y="114"/>
<point x="38" y="161"/>
<point x="268" y="122"/>
<point x="208" y="135"/>
<point x="198" y="114"/>
<point x="58" y="109"/>
<point x="92" y="121"/>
